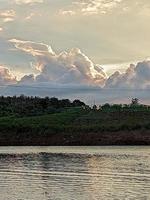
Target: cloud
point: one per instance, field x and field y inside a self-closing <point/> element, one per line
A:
<point x="96" y="6"/>
<point x="7" y="15"/>
<point x="32" y="15"/>
<point x="28" y="1"/>
<point x="91" y="7"/>
<point x="135" y="77"/>
<point x="6" y="77"/>
<point x="27" y="79"/>
<point x="75" y="68"/>
<point x="33" y="48"/>
<point x="67" y="12"/>
<point x="71" y="67"/>
<point x="72" y="75"/>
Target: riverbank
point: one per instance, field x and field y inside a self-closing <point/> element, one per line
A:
<point x="138" y="137"/>
<point x="77" y="126"/>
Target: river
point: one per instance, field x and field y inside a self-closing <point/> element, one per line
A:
<point x="75" y="173"/>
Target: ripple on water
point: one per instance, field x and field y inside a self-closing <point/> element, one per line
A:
<point x="100" y="173"/>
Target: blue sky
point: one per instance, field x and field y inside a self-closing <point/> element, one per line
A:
<point x="92" y="43"/>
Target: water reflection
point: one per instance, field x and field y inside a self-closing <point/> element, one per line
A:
<point x="103" y="174"/>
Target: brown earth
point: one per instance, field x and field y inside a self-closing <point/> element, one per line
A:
<point x="138" y="137"/>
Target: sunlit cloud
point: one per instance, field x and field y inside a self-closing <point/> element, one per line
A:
<point x="66" y="67"/>
<point x="92" y="7"/>
<point x="32" y="47"/>
<point x="67" y="12"/>
<point x="135" y="77"/>
<point x="113" y="33"/>
<point x="6" y="77"/>
<point x="7" y="15"/>
<point x="28" y="1"/>
<point x="29" y="17"/>
<point x="8" y="19"/>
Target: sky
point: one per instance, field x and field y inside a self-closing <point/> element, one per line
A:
<point x="76" y="48"/>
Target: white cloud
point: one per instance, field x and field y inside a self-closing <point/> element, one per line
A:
<point x="28" y="1"/>
<point x="8" y="19"/>
<point x="135" y="77"/>
<point x="91" y="7"/>
<point x="71" y="67"/>
<point x="7" y="15"/>
<point x="72" y="74"/>
<point x="74" y="67"/>
<point x="35" y="49"/>
<point x="67" y="12"/>
<point x="30" y="16"/>
<point x="6" y="77"/>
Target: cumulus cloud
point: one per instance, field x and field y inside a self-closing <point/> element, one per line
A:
<point x="27" y="79"/>
<point x="74" y="67"/>
<point x="135" y="77"/>
<point x="71" y="67"/>
<point x="6" y="77"/>
<point x="73" y="75"/>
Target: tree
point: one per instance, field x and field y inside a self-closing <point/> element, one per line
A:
<point x="54" y="102"/>
<point x="117" y="107"/>
<point x="95" y="107"/>
<point x="135" y="102"/>
<point x="30" y="106"/>
<point x="64" y="103"/>
<point x="77" y="103"/>
<point x="106" y="106"/>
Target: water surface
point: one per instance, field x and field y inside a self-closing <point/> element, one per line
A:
<point x="74" y="173"/>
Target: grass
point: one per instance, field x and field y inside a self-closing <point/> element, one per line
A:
<point x="78" y="120"/>
<point x="49" y="121"/>
<point x="76" y="126"/>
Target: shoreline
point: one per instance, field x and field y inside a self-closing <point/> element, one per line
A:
<point x="136" y="137"/>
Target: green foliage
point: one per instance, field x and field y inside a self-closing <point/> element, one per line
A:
<point x="54" y="121"/>
<point x="76" y="120"/>
<point x="27" y="116"/>
<point x="125" y="107"/>
<point x="34" y="106"/>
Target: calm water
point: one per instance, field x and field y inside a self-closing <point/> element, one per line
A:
<point x="74" y="173"/>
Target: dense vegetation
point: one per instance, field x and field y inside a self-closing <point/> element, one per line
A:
<point x="30" y="120"/>
<point x="34" y="106"/>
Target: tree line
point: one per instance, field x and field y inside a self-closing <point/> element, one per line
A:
<point x="133" y="106"/>
<point x="25" y="105"/>
<point x="34" y="106"/>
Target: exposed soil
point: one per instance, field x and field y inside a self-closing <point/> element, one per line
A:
<point x="139" y="137"/>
